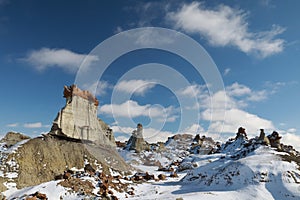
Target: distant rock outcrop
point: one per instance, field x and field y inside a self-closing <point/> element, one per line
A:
<point x="136" y="142"/>
<point x="78" y="119"/>
<point x="204" y="145"/>
<point x="274" y="139"/>
<point x="12" y="138"/>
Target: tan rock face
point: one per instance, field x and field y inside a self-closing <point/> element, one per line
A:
<point x="78" y="119"/>
<point x="42" y="159"/>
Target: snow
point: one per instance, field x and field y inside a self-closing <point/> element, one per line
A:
<point x="11" y="175"/>
<point x="241" y="170"/>
<point x="51" y="189"/>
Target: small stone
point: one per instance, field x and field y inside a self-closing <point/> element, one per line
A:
<point x="162" y="177"/>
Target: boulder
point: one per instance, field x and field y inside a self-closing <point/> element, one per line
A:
<point x="162" y="177"/>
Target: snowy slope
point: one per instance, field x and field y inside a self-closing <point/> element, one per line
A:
<point x="241" y="170"/>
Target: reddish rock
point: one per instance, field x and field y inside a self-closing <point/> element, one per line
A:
<point x="89" y="169"/>
<point x="73" y="90"/>
<point x="162" y="177"/>
<point x="148" y="176"/>
<point x="120" y="144"/>
<point x="67" y="175"/>
<point x="41" y="195"/>
<point x="110" y="192"/>
<point x="58" y="177"/>
<point x="114" y="198"/>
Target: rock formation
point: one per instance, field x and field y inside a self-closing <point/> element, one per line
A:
<point x="78" y="119"/>
<point x="274" y="139"/>
<point x="12" y="138"/>
<point x="203" y="145"/>
<point x="262" y="137"/>
<point x="136" y="142"/>
<point x="241" y="133"/>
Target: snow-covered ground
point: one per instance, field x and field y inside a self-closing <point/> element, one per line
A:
<point x="238" y="171"/>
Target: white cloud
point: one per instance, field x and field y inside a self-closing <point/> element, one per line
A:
<point x="13" y="125"/>
<point x="194" y="90"/>
<point x="33" y="125"/>
<point x="226" y="71"/>
<point x="100" y="87"/>
<point x="235" y="118"/>
<point x="131" y="109"/>
<point x="291" y="138"/>
<point x="139" y="87"/>
<point x="36" y="125"/>
<point x="239" y="90"/>
<point x="61" y="58"/>
<point x="225" y="26"/>
<point x="224" y="110"/>
<point x="121" y="138"/>
<point x="228" y="118"/>
<point x="194" y="129"/>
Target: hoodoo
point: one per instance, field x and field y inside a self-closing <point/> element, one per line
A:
<point x="78" y="119"/>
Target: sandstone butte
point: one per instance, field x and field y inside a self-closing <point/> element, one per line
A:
<point x="78" y="119"/>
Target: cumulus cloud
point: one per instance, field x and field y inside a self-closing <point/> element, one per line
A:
<point x="36" y="125"/>
<point x="229" y="118"/>
<point x="240" y="90"/>
<point x="194" y="129"/>
<point x="138" y="87"/>
<point x="60" y="58"/>
<point x="33" y="125"/>
<point x="225" y="26"/>
<point x="291" y="138"/>
<point x="131" y="109"/>
<point x="193" y="90"/>
<point x="13" y="125"/>
<point x="234" y="118"/>
<point x="99" y="88"/>
<point x="224" y="110"/>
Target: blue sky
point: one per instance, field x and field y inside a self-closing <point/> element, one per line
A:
<point x="254" y="44"/>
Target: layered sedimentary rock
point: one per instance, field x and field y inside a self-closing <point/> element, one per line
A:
<point x="78" y="119"/>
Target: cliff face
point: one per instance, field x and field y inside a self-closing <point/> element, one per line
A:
<point x="78" y="119"/>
